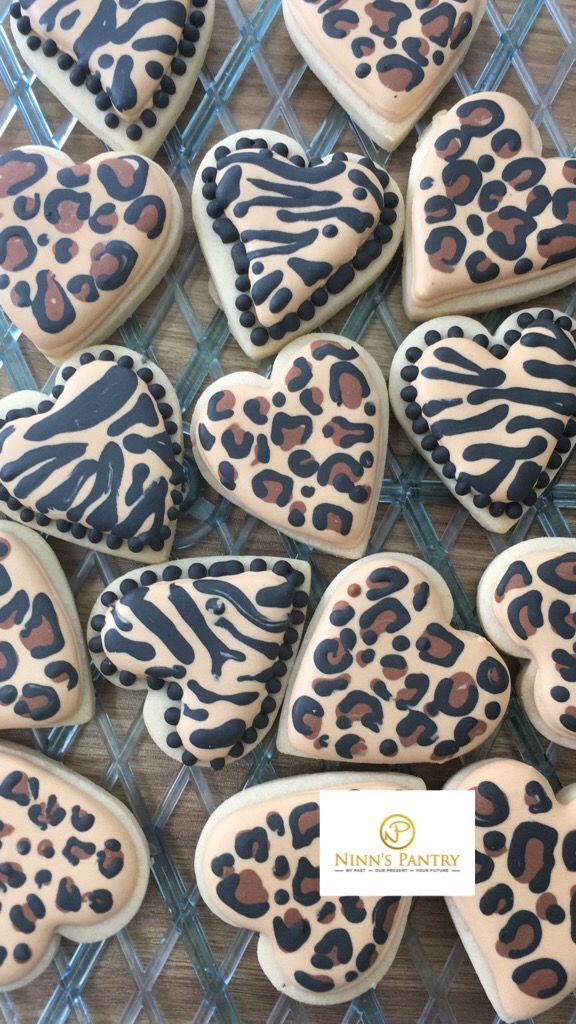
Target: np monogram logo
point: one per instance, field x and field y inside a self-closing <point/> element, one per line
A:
<point x="397" y="831"/>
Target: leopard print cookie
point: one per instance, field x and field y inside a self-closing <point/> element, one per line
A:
<point x="124" y="68"/>
<point x="383" y="677"/>
<point x="384" y="61"/>
<point x="45" y="678"/>
<point x="304" y="450"/>
<point x="490" y="222"/>
<point x="98" y="460"/>
<point x="519" y="929"/>
<point x="81" y="245"/>
<point x="73" y="863"/>
<point x="290" y="241"/>
<point x="494" y="416"/>
<point x="527" y="605"/>
<point x="257" y="866"/>
<point x="212" y="641"/>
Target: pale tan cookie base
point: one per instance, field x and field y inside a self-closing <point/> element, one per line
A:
<point x="297" y="784"/>
<point x="384" y="131"/>
<point x="80" y="101"/>
<point x="500" y="638"/>
<point x="32" y="399"/>
<point x="221" y="266"/>
<point x="43" y="553"/>
<point x="115" y="923"/>
<point x="156" y="703"/>
<point x="494" y="524"/>
<point x="477" y="298"/>
<point x="489" y="983"/>
<point x="269" y="384"/>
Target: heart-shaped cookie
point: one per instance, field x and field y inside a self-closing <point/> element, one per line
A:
<point x="489" y="221"/>
<point x="527" y="606"/>
<point x="74" y="863"/>
<point x="304" y="451"/>
<point x="99" y="460"/>
<point x="518" y="929"/>
<point x="382" y="676"/>
<point x="124" y="68"/>
<point x="212" y="640"/>
<point x="383" y="61"/>
<point x="493" y="416"/>
<point x="81" y="245"/>
<point x="289" y="242"/>
<point x="45" y="678"/>
<point x="257" y="866"/>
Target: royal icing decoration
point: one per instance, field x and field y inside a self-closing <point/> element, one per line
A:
<point x="305" y="450"/>
<point x="212" y="641"/>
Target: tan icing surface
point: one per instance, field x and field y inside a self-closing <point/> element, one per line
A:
<point x="556" y="943"/>
<point x="16" y="825"/>
<point x="372" y="702"/>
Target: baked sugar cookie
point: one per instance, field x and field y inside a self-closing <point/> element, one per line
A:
<point x="518" y="929"/>
<point x="257" y="866"/>
<point x="490" y="222"/>
<point x="384" y="62"/>
<point x="211" y="640"/>
<point x="304" y="450"/>
<point x="75" y="863"/>
<point x="527" y="605"/>
<point x="492" y="416"/>
<point x="288" y="241"/>
<point x="383" y="677"/>
<point x="98" y="461"/>
<point x="45" y="678"/>
<point x="124" y="69"/>
<point x="81" y="245"/>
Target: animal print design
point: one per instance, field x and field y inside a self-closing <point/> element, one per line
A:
<point x="392" y="54"/>
<point x="42" y="664"/>
<point x="298" y="233"/>
<point x="212" y="641"/>
<point x="535" y="603"/>
<point x="384" y="678"/>
<point x="75" y="239"/>
<point x="495" y="419"/>
<point x="96" y="461"/>
<point x="522" y="919"/>
<point x="126" y="53"/>
<point x="66" y="861"/>
<point x="258" y="867"/>
<point x="304" y="451"/>
<point x="488" y="210"/>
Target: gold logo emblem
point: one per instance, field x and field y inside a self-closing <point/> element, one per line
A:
<point x="397" y="831"/>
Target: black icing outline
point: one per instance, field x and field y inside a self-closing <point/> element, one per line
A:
<point x="248" y="318"/>
<point x="80" y="75"/>
<point x="428" y="443"/>
<point x="77" y="530"/>
<point x="273" y="689"/>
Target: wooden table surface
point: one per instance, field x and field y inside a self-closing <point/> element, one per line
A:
<point x="177" y="991"/>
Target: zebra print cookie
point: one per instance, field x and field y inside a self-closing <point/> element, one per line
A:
<point x="124" y="69"/>
<point x="490" y="222"/>
<point x="74" y="863"/>
<point x="212" y="641"/>
<point x="257" y="865"/>
<point x="384" y="61"/>
<point x="304" y="450"/>
<point x="527" y="605"/>
<point x="384" y="678"/>
<point x="81" y="245"/>
<point x="493" y="416"/>
<point x="289" y="241"/>
<point x="98" y="460"/>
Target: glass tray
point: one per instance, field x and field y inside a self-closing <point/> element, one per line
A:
<point x="176" y="962"/>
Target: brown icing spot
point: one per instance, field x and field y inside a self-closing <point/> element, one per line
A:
<point x="537" y="982"/>
<point x="250" y="888"/>
<point x="292" y="437"/>
<point x="354" y="590"/>
<point x="226" y="401"/>
<point x="68" y="221"/>
<point x="12" y="173"/>
<point x="41" y="636"/>
<point x="16" y="253"/>
<point x="148" y="219"/>
<point x="440" y="260"/>
<point x="397" y="79"/>
<point x="543" y="904"/>
<point x="350" y="390"/>
<point x="309" y="820"/>
<point x="123" y="169"/>
<point x="522" y="940"/>
<point x="534" y="860"/>
<point x="462" y="684"/>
